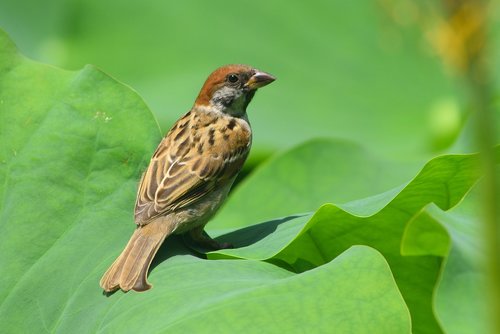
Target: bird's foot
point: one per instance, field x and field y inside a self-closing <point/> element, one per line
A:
<point x="201" y="237"/>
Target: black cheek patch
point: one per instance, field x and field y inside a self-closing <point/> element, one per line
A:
<point x="226" y="101"/>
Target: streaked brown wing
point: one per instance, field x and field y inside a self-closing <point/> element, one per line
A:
<point x="180" y="173"/>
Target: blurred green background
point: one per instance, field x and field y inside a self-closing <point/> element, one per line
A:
<point x="379" y="73"/>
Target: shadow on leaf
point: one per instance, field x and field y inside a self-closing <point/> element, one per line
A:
<point x="245" y="236"/>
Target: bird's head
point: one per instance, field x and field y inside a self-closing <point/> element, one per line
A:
<point x="229" y="89"/>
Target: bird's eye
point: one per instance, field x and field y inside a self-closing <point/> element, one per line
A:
<point x="232" y="78"/>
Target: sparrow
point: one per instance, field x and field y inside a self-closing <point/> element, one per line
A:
<point x="190" y="173"/>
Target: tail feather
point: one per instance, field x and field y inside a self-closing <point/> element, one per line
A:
<point x="129" y="271"/>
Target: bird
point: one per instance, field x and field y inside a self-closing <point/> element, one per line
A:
<point x="190" y="173"/>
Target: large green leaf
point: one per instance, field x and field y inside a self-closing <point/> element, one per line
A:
<point x="196" y="296"/>
<point x="309" y="175"/>
<point x="461" y="294"/>
<point x="306" y="242"/>
<point x="72" y="147"/>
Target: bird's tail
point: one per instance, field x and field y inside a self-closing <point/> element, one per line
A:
<point x="130" y="269"/>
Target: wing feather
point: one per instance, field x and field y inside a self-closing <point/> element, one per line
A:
<point x="187" y="165"/>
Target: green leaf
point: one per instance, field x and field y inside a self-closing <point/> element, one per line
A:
<point x="461" y="293"/>
<point x="309" y="175"/>
<point x="379" y="222"/>
<point x="73" y="146"/>
<point x="251" y="296"/>
<point x="425" y="236"/>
